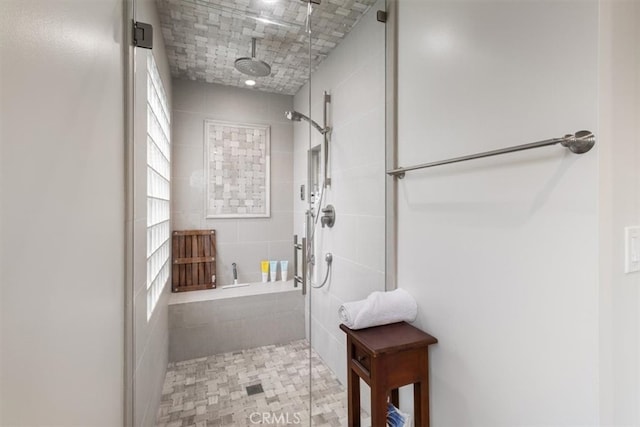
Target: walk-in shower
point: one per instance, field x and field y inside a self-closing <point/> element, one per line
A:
<point x="254" y="157"/>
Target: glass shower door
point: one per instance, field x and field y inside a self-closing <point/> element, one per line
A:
<point x="346" y="166"/>
<point x="237" y="354"/>
<point x="307" y="79"/>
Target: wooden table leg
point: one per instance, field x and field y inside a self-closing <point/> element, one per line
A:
<point x="421" y="403"/>
<point x="378" y="405"/>
<point x="353" y="388"/>
<point x="395" y="397"/>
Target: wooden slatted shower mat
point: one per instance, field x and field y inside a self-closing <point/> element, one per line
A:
<point x="194" y="262"/>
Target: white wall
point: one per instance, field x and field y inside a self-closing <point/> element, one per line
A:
<point x="354" y="74"/>
<point x="62" y="213"/>
<point x="244" y="241"/>
<point x="151" y="337"/>
<point x="619" y="162"/>
<point x="501" y="253"/>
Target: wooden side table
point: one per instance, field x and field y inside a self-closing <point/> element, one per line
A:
<point x="388" y="357"/>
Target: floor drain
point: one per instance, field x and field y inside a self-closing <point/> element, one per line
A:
<point x="254" y="389"/>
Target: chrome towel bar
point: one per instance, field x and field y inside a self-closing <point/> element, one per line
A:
<point x="579" y="143"/>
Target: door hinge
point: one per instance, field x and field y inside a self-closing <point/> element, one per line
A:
<point x="381" y="16"/>
<point x="142" y="35"/>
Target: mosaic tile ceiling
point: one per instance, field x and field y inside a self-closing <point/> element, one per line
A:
<point x="204" y="37"/>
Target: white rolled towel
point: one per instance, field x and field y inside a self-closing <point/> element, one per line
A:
<point x="379" y="308"/>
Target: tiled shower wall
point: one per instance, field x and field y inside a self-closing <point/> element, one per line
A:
<point x="354" y="74"/>
<point x="245" y="241"/>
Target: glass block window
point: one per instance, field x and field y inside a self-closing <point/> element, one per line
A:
<point x="158" y="186"/>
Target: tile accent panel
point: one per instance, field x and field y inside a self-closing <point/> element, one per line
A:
<point x="237" y="170"/>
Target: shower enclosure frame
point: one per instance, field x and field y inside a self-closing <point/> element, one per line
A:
<point x="128" y="60"/>
<point x="391" y="145"/>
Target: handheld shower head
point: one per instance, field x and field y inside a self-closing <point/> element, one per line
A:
<point x="295" y="116"/>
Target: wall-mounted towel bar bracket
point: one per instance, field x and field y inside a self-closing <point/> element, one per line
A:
<point x="579" y="143"/>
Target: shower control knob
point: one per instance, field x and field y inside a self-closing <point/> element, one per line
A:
<point x="328" y="217"/>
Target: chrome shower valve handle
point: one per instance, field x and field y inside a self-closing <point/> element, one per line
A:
<point x="328" y="217"/>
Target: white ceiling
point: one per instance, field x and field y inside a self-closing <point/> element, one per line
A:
<point x="204" y="37"/>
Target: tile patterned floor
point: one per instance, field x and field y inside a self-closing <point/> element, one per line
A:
<point x="212" y="391"/>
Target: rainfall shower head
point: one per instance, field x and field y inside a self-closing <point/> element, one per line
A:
<point x="252" y="66"/>
<point x="296" y="117"/>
